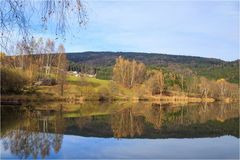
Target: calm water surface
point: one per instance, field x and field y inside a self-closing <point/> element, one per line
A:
<point x="120" y="130"/>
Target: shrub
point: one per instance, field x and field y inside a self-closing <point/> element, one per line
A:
<point x="104" y="93"/>
<point x="12" y="80"/>
<point x="48" y="81"/>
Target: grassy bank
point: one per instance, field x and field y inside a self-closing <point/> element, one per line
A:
<point x="79" y="89"/>
<point x="92" y="89"/>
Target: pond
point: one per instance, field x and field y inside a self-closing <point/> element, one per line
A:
<point x="120" y="130"/>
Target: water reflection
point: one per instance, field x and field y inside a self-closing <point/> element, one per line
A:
<point x="31" y="134"/>
<point x="35" y="131"/>
<point x="125" y="124"/>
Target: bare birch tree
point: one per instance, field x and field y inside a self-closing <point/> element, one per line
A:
<point x="49" y="50"/>
<point x="128" y="73"/>
<point x="61" y="67"/>
<point x="17" y="16"/>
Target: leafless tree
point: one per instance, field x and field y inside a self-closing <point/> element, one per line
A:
<point x="61" y="67"/>
<point x="16" y="17"/>
<point x="49" y="50"/>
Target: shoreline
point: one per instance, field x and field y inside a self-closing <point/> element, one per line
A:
<point x="20" y="99"/>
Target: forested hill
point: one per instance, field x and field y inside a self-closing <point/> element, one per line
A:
<point x="208" y="67"/>
<point x="108" y="58"/>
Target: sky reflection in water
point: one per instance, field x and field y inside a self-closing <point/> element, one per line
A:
<point x="90" y="147"/>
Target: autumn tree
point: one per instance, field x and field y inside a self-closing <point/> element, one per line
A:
<point x="128" y="73"/>
<point x="222" y="89"/>
<point x="61" y="67"/>
<point x="204" y="87"/>
<point x="192" y="84"/>
<point x="155" y="82"/>
<point x="222" y="85"/>
<point x="2" y="57"/>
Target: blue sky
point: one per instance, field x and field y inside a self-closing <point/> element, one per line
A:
<point x="197" y="28"/>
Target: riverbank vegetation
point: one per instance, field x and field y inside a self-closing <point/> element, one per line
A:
<point x="41" y="72"/>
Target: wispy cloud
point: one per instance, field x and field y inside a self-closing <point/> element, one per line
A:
<point x="207" y="28"/>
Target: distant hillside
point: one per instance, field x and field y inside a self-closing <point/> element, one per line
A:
<point x="209" y="67"/>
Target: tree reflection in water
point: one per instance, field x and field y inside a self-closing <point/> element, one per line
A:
<point x="125" y="124"/>
<point x="156" y="115"/>
<point x="38" y="132"/>
<point x="33" y="137"/>
<point x="173" y="120"/>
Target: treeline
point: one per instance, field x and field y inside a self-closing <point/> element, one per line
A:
<point x="229" y="70"/>
<point x="133" y="74"/>
<point x="34" y="63"/>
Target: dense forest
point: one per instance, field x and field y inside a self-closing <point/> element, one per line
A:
<point x="102" y="63"/>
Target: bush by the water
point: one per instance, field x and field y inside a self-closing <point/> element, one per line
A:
<point x="12" y="80"/>
<point x="49" y="82"/>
